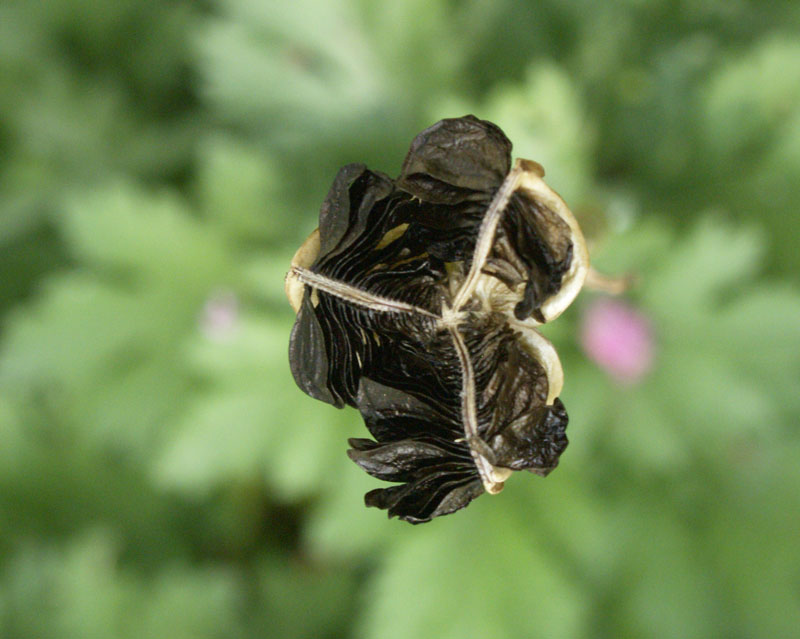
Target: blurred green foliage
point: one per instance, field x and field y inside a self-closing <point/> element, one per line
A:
<point x="161" y="475"/>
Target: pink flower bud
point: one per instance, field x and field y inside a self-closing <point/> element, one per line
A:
<point x="220" y="315"/>
<point x="619" y="338"/>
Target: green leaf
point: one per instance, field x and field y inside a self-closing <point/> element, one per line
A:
<point x="155" y="236"/>
<point x="71" y="331"/>
<point x="739" y="119"/>
<point x="251" y="420"/>
<point x="670" y="594"/>
<point x="751" y="128"/>
<point x="238" y="190"/>
<point x="701" y="268"/>
<point x="324" y="82"/>
<point x="483" y="573"/>
<point x="82" y="592"/>
<point x="303" y="601"/>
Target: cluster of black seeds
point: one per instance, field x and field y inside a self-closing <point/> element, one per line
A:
<point x="417" y="301"/>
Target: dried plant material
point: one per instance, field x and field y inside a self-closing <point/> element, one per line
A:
<point x="417" y="301"/>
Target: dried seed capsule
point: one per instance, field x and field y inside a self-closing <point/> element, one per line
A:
<point x="417" y="301"/>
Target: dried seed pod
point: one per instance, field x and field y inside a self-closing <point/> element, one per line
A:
<point x="417" y="301"/>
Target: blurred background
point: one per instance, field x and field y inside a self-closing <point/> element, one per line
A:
<point x="160" y="473"/>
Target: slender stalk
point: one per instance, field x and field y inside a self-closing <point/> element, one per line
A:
<point x="597" y="281"/>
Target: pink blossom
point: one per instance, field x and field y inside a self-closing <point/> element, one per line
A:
<point x="220" y="315"/>
<point x="619" y="338"/>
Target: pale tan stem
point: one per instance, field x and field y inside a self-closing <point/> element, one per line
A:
<point x="491" y="476"/>
<point x="602" y="283"/>
<point x="486" y="235"/>
<point x="354" y="295"/>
